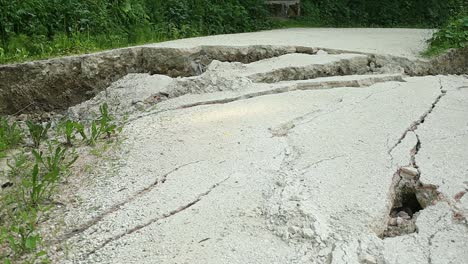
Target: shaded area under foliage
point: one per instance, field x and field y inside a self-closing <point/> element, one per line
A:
<point x="383" y="13"/>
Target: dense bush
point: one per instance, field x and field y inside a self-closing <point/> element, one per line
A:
<point x="30" y="28"/>
<point x="452" y="35"/>
<point x="386" y="13"/>
<point x="43" y="28"/>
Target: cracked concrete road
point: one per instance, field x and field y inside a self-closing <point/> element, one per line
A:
<point x="393" y="41"/>
<point x="282" y="168"/>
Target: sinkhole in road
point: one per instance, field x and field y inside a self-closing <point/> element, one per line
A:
<point x="411" y="196"/>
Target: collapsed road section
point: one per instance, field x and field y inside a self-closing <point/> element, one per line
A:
<point x="59" y="83"/>
<point x="262" y="154"/>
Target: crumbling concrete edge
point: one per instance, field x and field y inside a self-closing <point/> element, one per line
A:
<point x="59" y="83"/>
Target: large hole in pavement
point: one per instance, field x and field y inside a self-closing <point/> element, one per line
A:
<point x="410" y="204"/>
<point x="411" y="197"/>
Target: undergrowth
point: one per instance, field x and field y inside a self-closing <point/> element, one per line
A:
<point x="36" y="29"/>
<point x="32" y="29"/>
<point x="46" y="156"/>
<point x="382" y="13"/>
<point x="452" y="35"/>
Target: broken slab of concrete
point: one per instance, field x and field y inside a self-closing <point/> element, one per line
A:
<point x="320" y="192"/>
<point x="63" y="82"/>
<point x="60" y="83"/>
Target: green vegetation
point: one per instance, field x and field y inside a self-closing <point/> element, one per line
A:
<point x="10" y="136"/>
<point x="70" y="129"/>
<point x="34" y="175"/>
<point x="452" y="35"/>
<point x="33" y="180"/>
<point x="32" y="29"/>
<point x="38" y="132"/>
<point x="383" y="13"/>
<point x="451" y="15"/>
<point x="103" y="126"/>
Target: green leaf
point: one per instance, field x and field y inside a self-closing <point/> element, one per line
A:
<point x="465" y="23"/>
<point x="37" y="155"/>
<point x="35" y="173"/>
<point x="31" y="242"/>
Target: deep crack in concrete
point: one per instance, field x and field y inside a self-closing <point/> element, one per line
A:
<point x="164" y="216"/>
<point x="119" y="206"/>
<point x="415" y="124"/>
<point x="408" y="186"/>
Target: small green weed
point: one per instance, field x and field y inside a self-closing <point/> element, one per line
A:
<point x="10" y="136"/>
<point x="70" y="129"/>
<point x="20" y="234"/>
<point x="17" y="217"/>
<point x="49" y="169"/>
<point x="107" y="126"/>
<point x="35" y="177"/>
<point x="37" y="132"/>
<point x="104" y="125"/>
<point x="33" y="180"/>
